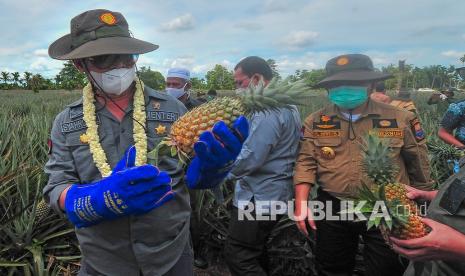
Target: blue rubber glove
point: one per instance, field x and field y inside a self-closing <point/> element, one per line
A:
<point x="216" y="152"/>
<point x="129" y="190"/>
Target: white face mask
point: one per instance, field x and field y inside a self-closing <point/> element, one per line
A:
<point x="176" y="92"/>
<point x="115" y="81"/>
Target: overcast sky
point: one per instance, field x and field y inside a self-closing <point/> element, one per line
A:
<point x="199" y="34"/>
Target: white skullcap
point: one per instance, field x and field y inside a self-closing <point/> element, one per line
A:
<point x="179" y="73"/>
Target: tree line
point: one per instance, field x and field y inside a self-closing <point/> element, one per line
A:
<point x="220" y="78"/>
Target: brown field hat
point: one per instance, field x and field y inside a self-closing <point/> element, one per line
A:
<point x="351" y="67"/>
<point x="95" y="33"/>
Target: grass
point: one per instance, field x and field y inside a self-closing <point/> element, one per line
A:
<point x="33" y="246"/>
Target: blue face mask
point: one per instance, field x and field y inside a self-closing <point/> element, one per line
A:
<point x="348" y="97"/>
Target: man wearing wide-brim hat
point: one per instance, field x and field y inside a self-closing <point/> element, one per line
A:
<point x="331" y="156"/>
<point x="131" y="218"/>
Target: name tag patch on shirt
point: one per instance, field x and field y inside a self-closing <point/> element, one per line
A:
<point x="325" y="134"/>
<point x="162" y="116"/>
<point x="75" y="125"/>
<point x="388" y="133"/>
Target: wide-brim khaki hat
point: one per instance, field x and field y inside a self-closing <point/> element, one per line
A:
<point x="95" y="33"/>
<point x="351" y="67"/>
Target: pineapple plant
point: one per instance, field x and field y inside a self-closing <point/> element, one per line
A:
<point x="403" y="221"/>
<point x="186" y="130"/>
<point x="42" y="210"/>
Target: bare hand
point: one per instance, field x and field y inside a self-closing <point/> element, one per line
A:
<point x="442" y="243"/>
<point x="303" y="213"/>
<point x="417" y="194"/>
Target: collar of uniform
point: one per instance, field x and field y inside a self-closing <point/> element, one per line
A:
<point x="151" y="93"/>
<point x="371" y="109"/>
<point x="75" y="104"/>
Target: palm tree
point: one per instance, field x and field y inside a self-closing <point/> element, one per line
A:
<point x="5" y="77"/>
<point x="27" y="79"/>
<point x="462" y="59"/>
<point x="16" y="76"/>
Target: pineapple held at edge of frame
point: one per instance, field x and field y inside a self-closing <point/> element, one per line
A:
<point x="378" y="165"/>
<point x="186" y="130"/>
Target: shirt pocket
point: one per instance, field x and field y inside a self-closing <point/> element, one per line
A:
<point x="83" y="160"/>
<point x="329" y="152"/>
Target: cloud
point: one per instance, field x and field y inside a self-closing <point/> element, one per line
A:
<point x="41" y="53"/>
<point x="453" y="54"/>
<point x="297" y="40"/>
<point x="181" y="23"/>
<point x="276" y="6"/>
<point x="249" y="26"/>
<point x="204" y="68"/>
<point x="44" y="64"/>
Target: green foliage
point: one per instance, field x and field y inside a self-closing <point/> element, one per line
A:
<point x="433" y="76"/>
<point x="220" y="78"/>
<point x="29" y="246"/>
<point x="152" y="79"/>
<point x="70" y="78"/>
<point x="311" y="77"/>
<point x="274" y="68"/>
<point x="198" y="83"/>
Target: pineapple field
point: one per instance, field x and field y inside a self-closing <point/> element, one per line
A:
<point x="35" y="241"/>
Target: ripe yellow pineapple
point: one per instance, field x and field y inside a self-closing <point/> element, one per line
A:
<point x="186" y="130"/>
<point x="380" y="168"/>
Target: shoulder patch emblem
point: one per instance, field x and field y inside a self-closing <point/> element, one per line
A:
<point x="417" y="130"/>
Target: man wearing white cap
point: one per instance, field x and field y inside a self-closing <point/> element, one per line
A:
<point x="178" y="84"/>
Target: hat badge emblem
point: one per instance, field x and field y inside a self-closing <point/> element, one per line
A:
<point x="108" y="18"/>
<point x="342" y="61"/>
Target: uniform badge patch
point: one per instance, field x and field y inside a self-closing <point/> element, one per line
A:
<point x="385" y="123"/>
<point x="160" y="129"/>
<point x="84" y="138"/>
<point x="50" y="146"/>
<point x="328" y="153"/>
<point x="342" y="61"/>
<point x="156" y="105"/>
<point x="417" y="129"/>
<point x="326" y="122"/>
<point x="108" y="18"/>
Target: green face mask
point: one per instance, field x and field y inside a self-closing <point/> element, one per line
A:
<point x="348" y="97"/>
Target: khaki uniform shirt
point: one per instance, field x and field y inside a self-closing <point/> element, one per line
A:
<point x="448" y="207"/>
<point x="328" y="157"/>
<point x="149" y="243"/>
<point x="404" y="104"/>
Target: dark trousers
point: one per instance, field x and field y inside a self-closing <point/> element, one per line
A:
<point x="245" y="250"/>
<point x="196" y="228"/>
<point x="337" y="244"/>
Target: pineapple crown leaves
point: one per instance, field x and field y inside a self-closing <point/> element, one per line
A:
<point x="397" y="215"/>
<point x="277" y="94"/>
<point x="377" y="161"/>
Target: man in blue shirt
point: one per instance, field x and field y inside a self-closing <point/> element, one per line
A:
<point x="263" y="173"/>
<point x="454" y="119"/>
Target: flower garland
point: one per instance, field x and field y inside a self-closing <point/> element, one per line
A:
<point x="140" y="137"/>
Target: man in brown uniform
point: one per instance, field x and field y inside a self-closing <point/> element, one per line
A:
<point x="402" y="100"/>
<point x="331" y="156"/>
